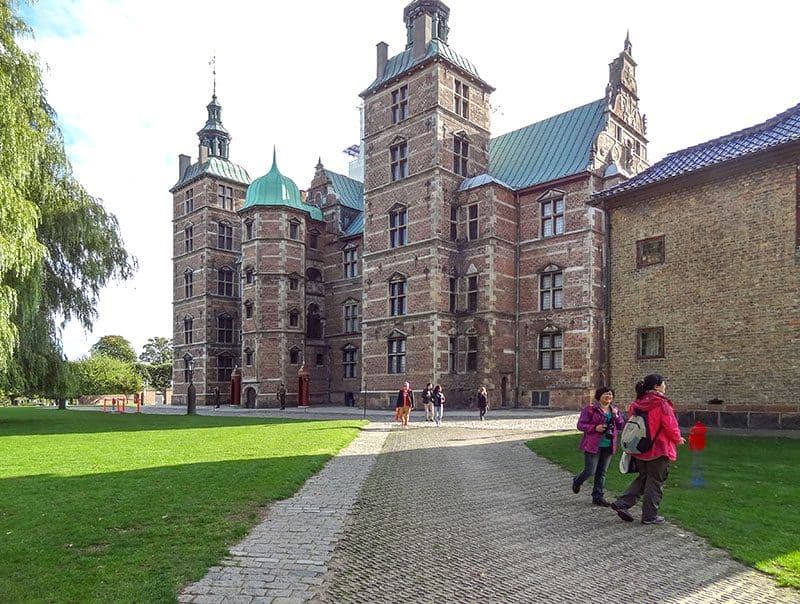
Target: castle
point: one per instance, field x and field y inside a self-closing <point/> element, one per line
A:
<point x="458" y="258"/>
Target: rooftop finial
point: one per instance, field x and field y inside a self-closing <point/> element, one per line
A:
<point x="628" y="41"/>
<point x="274" y="158"/>
<point x="213" y="63"/>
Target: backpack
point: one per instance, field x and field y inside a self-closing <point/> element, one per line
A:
<point x="635" y="437"/>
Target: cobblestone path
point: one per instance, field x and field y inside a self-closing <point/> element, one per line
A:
<point x="463" y="514"/>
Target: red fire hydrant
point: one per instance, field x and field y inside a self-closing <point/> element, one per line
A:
<point x="697" y="437"/>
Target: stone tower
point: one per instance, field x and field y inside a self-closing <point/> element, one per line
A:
<point x="206" y="240"/>
<point x="426" y="129"/>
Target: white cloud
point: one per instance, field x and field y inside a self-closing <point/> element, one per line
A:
<point x="130" y="80"/>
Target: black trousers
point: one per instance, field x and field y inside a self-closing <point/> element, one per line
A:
<point x="648" y="485"/>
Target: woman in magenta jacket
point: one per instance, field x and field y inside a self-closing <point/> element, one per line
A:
<point x="599" y="422"/>
<point x="653" y="466"/>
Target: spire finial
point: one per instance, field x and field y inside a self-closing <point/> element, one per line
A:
<point x="274" y="158"/>
<point x="628" y="41"/>
<point x="213" y="63"/>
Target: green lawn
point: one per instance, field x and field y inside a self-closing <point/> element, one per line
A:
<point x="99" y="507"/>
<point x="749" y="504"/>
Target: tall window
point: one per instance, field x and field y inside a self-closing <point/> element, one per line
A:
<point x="350" y="257"/>
<point x="551" y="287"/>
<point x="225" y="197"/>
<point x="186" y="370"/>
<point x="397" y="297"/>
<point x="294" y="283"/>
<point x="188" y="200"/>
<point x="396" y="354"/>
<point x="472" y="353"/>
<point x="472" y="293"/>
<point x="248" y="230"/>
<point x="351" y="317"/>
<point x="399" y="104"/>
<point x="552" y="217"/>
<point x="313" y="240"/>
<point x="224" y="368"/>
<point x="249" y="275"/>
<point x="472" y="222"/>
<point x="188" y="238"/>
<point x="188" y="285"/>
<point x="460" y="155"/>
<point x="294" y="231"/>
<point x="248" y="309"/>
<point x="398" y="231"/>
<point x="349" y="360"/>
<point x="453" y="294"/>
<point x="453" y="223"/>
<point x="224" y="236"/>
<point x="461" y="99"/>
<point x="188" y="322"/>
<point x="294" y="319"/>
<point x="550" y="351"/>
<point x="650" y="343"/>
<point x="225" y="329"/>
<point x="294" y="356"/>
<point x="452" y="355"/>
<point x="225" y="282"/>
<point x="248" y="357"/>
<point x="649" y="251"/>
<point x="399" y="163"/>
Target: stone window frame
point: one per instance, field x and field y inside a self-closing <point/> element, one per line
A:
<point x="248" y="309"/>
<point x="350" y="261"/>
<point x="313" y="239"/>
<point x="398" y="159"/>
<point x="188" y="201"/>
<point x="551" y="349"/>
<point x="226" y="282"/>
<point x="398" y="295"/>
<point x="225" y="328"/>
<point x="295" y="355"/>
<point x="645" y="258"/>
<point x="188" y="283"/>
<point x="248" y="357"/>
<point x="396" y="351"/>
<point x="452" y="354"/>
<point x="225" y="196"/>
<point x="552" y="212"/>
<point x="224" y="367"/>
<point x="294" y="282"/>
<point x="186" y="360"/>
<point x="225" y="235"/>
<point x="453" y="223"/>
<point x="249" y="275"/>
<point x="472" y="353"/>
<point x="473" y="216"/>
<point x="472" y="292"/>
<point x="399" y="104"/>
<point x="248" y="228"/>
<point x="461" y="144"/>
<point x="398" y="226"/>
<point x="188" y="329"/>
<point x="350" y="316"/>
<point x="188" y="238"/>
<point x="643" y="334"/>
<point x="294" y="229"/>
<point x="349" y="362"/>
<point x="453" y="293"/>
<point x="460" y="98"/>
<point x="294" y="318"/>
<point x="551" y="288"/>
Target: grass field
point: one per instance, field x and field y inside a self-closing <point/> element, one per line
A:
<point x="749" y="503"/>
<point x="128" y="508"/>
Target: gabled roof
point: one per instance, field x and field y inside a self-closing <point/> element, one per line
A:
<point x="782" y="129"/>
<point x="399" y="64"/>
<point x="349" y="191"/>
<point x="554" y="148"/>
<point x="214" y="166"/>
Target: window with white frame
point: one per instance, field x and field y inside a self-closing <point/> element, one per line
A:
<point x="552" y="212"/>
<point x="461" y="99"/>
<point x="650" y="343"/>
<point x="551" y="290"/>
<point x="397" y="297"/>
<point x="550" y="351"/>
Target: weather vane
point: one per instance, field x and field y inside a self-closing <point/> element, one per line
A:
<point x="213" y="63"/>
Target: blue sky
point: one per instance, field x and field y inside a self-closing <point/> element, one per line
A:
<point x="130" y="81"/>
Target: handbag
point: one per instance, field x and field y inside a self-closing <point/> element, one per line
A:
<point x="627" y="464"/>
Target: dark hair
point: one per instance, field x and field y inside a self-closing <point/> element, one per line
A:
<point x="437" y="388"/>
<point x="429" y="384"/>
<point x="648" y="383"/>
<point x="601" y="391"/>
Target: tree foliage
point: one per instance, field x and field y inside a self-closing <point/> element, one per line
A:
<point x="115" y="347"/>
<point x="157" y="351"/>
<point x="157" y="376"/>
<point x="101" y="374"/>
<point x="58" y="245"/>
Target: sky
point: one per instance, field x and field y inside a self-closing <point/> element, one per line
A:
<point x="130" y="81"/>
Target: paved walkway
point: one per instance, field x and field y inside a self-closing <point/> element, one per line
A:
<point x="465" y="513"/>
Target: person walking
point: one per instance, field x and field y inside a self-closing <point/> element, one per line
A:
<point x="599" y="421"/>
<point x="282" y="396"/>
<point x="483" y="401"/>
<point x="438" y="404"/>
<point x="653" y="466"/>
<point x="405" y="402"/>
<point x="427" y="400"/>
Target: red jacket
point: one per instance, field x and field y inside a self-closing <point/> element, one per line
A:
<point x="661" y="423"/>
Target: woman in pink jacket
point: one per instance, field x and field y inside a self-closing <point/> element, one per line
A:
<point x="653" y="466"/>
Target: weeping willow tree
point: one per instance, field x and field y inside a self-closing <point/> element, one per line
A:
<point x="58" y="245"/>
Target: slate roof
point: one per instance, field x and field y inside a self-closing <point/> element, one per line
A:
<point x="553" y="148"/>
<point x="782" y="129"/>
<point x="214" y="166"/>
<point x="403" y="62"/>
<point x="356" y="227"/>
<point x="349" y="191"/>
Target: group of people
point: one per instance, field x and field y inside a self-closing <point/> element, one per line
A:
<point x="433" y="400"/>
<point x="601" y="421"/>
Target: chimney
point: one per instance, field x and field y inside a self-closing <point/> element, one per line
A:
<point x="203" y="154"/>
<point x="184" y="161"/>
<point x="383" y="57"/>
<point x="422" y="34"/>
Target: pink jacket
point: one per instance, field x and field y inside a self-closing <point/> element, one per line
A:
<point x="661" y="423"/>
<point x="593" y="416"/>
